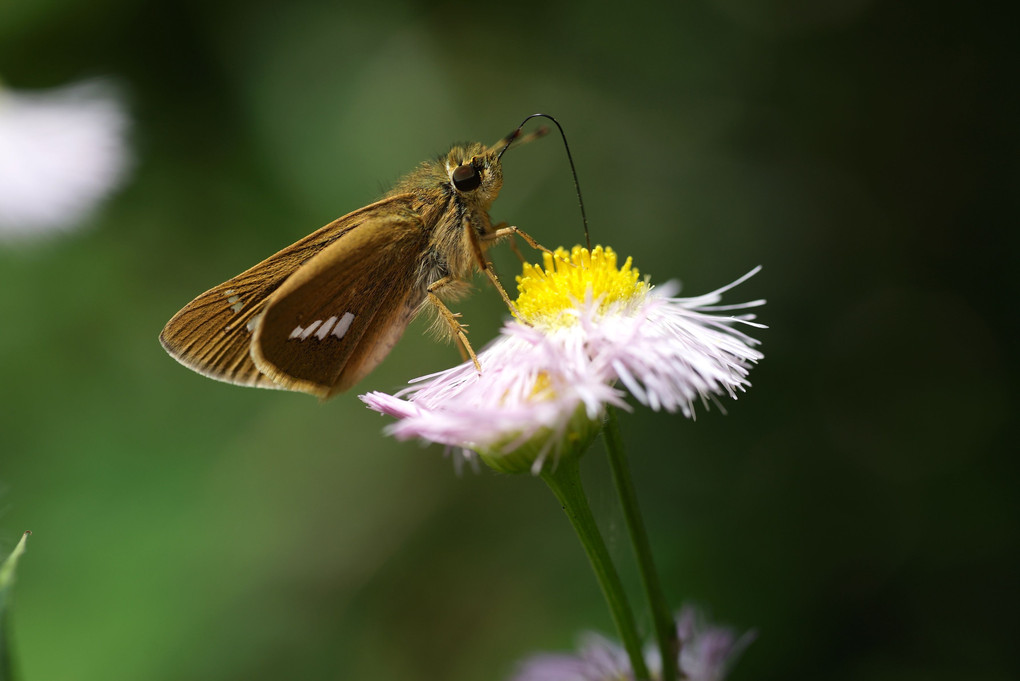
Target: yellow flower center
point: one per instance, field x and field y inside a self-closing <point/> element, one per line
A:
<point x="546" y="295"/>
<point x="543" y="388"/>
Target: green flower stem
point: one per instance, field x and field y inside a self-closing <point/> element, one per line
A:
<point x="665" y="625"/>
<point x="565" y="483"/>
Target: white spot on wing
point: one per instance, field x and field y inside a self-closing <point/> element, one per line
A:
<point x="310" y="329"/>
<point x="253" y="322"/>
<point x="341" y="326"/>
<point x="324" y="329"/>
<point x="235" y="301"/>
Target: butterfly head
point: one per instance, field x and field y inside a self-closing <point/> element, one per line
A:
<point x="475" y="171"/>
<point x="475" y="174"/>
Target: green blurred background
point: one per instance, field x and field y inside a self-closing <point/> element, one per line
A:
<point x="857" y="506"/>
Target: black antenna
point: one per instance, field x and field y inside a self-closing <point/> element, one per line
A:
<point x="580" y="202"/>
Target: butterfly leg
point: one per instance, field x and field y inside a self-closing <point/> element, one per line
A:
<point x="450" y="318"/>
<point x="503" y="230"/>
<point x="485" y="266"/>
<point x="516" y="249"/>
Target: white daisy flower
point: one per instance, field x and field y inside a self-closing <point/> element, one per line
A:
<point x="666" y="351"/>
<point x="62" y="151"/>
<point x="585" y="327"/>
<point x="707" y="652"/>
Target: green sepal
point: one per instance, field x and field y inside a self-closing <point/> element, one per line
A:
<point x="553" y="447"/>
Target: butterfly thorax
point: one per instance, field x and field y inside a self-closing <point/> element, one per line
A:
<point x="449" y="213"/>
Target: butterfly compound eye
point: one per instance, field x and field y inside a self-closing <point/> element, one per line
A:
<point x="466" y="177"/>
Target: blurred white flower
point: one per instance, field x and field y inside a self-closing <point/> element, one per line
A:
<point x="586" y="326"/>
<point x="62" y="151"/>
<point x="707" y="652"/>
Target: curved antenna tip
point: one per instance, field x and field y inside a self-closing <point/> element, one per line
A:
<point x="540" y="132"/>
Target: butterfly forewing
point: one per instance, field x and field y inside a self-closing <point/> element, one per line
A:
<point x="212" y="334"/>
<point x="334" y="319"/>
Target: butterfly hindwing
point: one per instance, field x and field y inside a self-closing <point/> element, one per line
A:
<point x="335" y="318"/>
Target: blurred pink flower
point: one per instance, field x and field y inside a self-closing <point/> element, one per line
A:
<point x="707" y="652"/>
